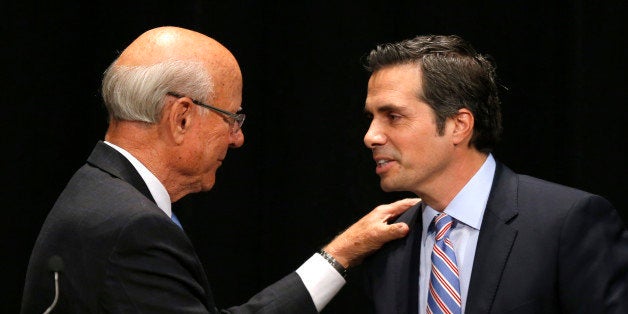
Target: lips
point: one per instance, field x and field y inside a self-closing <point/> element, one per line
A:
<point x="383" y="164"/>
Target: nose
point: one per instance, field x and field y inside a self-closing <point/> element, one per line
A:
<point x="237" y="139"/>
<point x="374" y="136"/>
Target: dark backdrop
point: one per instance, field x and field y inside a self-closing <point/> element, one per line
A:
<point x="303" y="174"/>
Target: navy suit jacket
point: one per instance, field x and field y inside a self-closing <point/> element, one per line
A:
<point x="123" y="254"/>
<point x="542" y="248"/>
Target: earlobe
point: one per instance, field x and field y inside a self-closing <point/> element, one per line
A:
<point x="463" y="126"/>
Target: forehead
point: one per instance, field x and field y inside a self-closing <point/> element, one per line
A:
<point x="228" y="91"/>
<point x="396" y="85"/>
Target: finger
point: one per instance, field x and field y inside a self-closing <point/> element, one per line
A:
<point x="397" y="230"/>
<point x="401" y="206"/>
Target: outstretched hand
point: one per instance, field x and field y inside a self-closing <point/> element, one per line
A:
<point x="370" y="233"/>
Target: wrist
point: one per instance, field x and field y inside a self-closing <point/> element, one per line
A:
<point x="342" y="270"/>
<point x="338" y="250"/>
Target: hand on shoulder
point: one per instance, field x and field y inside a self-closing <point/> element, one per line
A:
<point x="370" y="233"/>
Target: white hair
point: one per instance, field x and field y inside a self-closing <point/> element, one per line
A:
<point x="137" y="93"/>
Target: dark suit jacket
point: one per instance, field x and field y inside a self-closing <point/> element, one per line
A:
<point x="123" y="254"/>
<point x="542" y="248"/>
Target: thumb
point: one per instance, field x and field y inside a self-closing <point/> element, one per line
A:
<point x="397" y="230"/>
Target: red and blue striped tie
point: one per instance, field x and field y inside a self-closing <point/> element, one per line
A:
<point x="444" y="291"/>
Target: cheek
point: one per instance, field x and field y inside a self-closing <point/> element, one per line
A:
<point x="420" y="147"/>
<point x="216" y="143"/>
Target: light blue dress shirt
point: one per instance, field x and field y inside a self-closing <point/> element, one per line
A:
<point x="467" y="208"/>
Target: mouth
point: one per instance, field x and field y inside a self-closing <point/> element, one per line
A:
<point x="383" y="164"/>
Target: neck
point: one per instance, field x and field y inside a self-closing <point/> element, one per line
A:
<point x="150" y="146"/>
<point x="444" y="187"/>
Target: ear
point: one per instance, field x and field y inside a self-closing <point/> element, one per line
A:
<point x="463" y="126"/>
<point x="179" y="118"/>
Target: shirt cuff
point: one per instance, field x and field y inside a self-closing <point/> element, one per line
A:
<point x="321" y="280"/>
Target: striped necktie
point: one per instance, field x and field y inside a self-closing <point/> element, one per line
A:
<point x="444" y="291"/>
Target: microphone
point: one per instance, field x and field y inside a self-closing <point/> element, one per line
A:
<point x="55" y="264"/>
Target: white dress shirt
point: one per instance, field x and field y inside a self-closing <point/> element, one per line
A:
<point x="321" y="280"/>
<point x="157" y="190"/>
<point x="467" y="208"/>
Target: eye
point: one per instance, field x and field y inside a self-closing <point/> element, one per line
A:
<point x="394" y="116"/>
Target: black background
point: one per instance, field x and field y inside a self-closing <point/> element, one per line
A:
<point x="303" y="174"/>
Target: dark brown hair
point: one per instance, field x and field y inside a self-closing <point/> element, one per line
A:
<point x="454" y="76"/>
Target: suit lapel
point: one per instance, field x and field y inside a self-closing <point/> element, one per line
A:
<point x="408" y="274"/>
<point x="494" y="243"/>
<point x="111" y="161"/>
<point x="394" y="270"/>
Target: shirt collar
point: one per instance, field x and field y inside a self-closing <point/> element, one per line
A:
<point x="468" y="205"/>
<point x="157" y="190"/>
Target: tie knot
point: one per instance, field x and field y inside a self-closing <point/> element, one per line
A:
<point x="443" y="224"/>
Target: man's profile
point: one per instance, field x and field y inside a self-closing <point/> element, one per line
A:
<point x="484" y="239"/>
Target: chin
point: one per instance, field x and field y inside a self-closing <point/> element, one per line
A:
<point x="208" y="184"/>
<point x="207" y="187"/>
<point x="391" y="186"/>
<point x="387" y="187"/>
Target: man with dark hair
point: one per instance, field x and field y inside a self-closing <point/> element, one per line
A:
<point x="173" y="98"/>
<point x="484" y="239"/>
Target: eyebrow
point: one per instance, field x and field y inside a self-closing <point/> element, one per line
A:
<point x="386" y="108"/>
